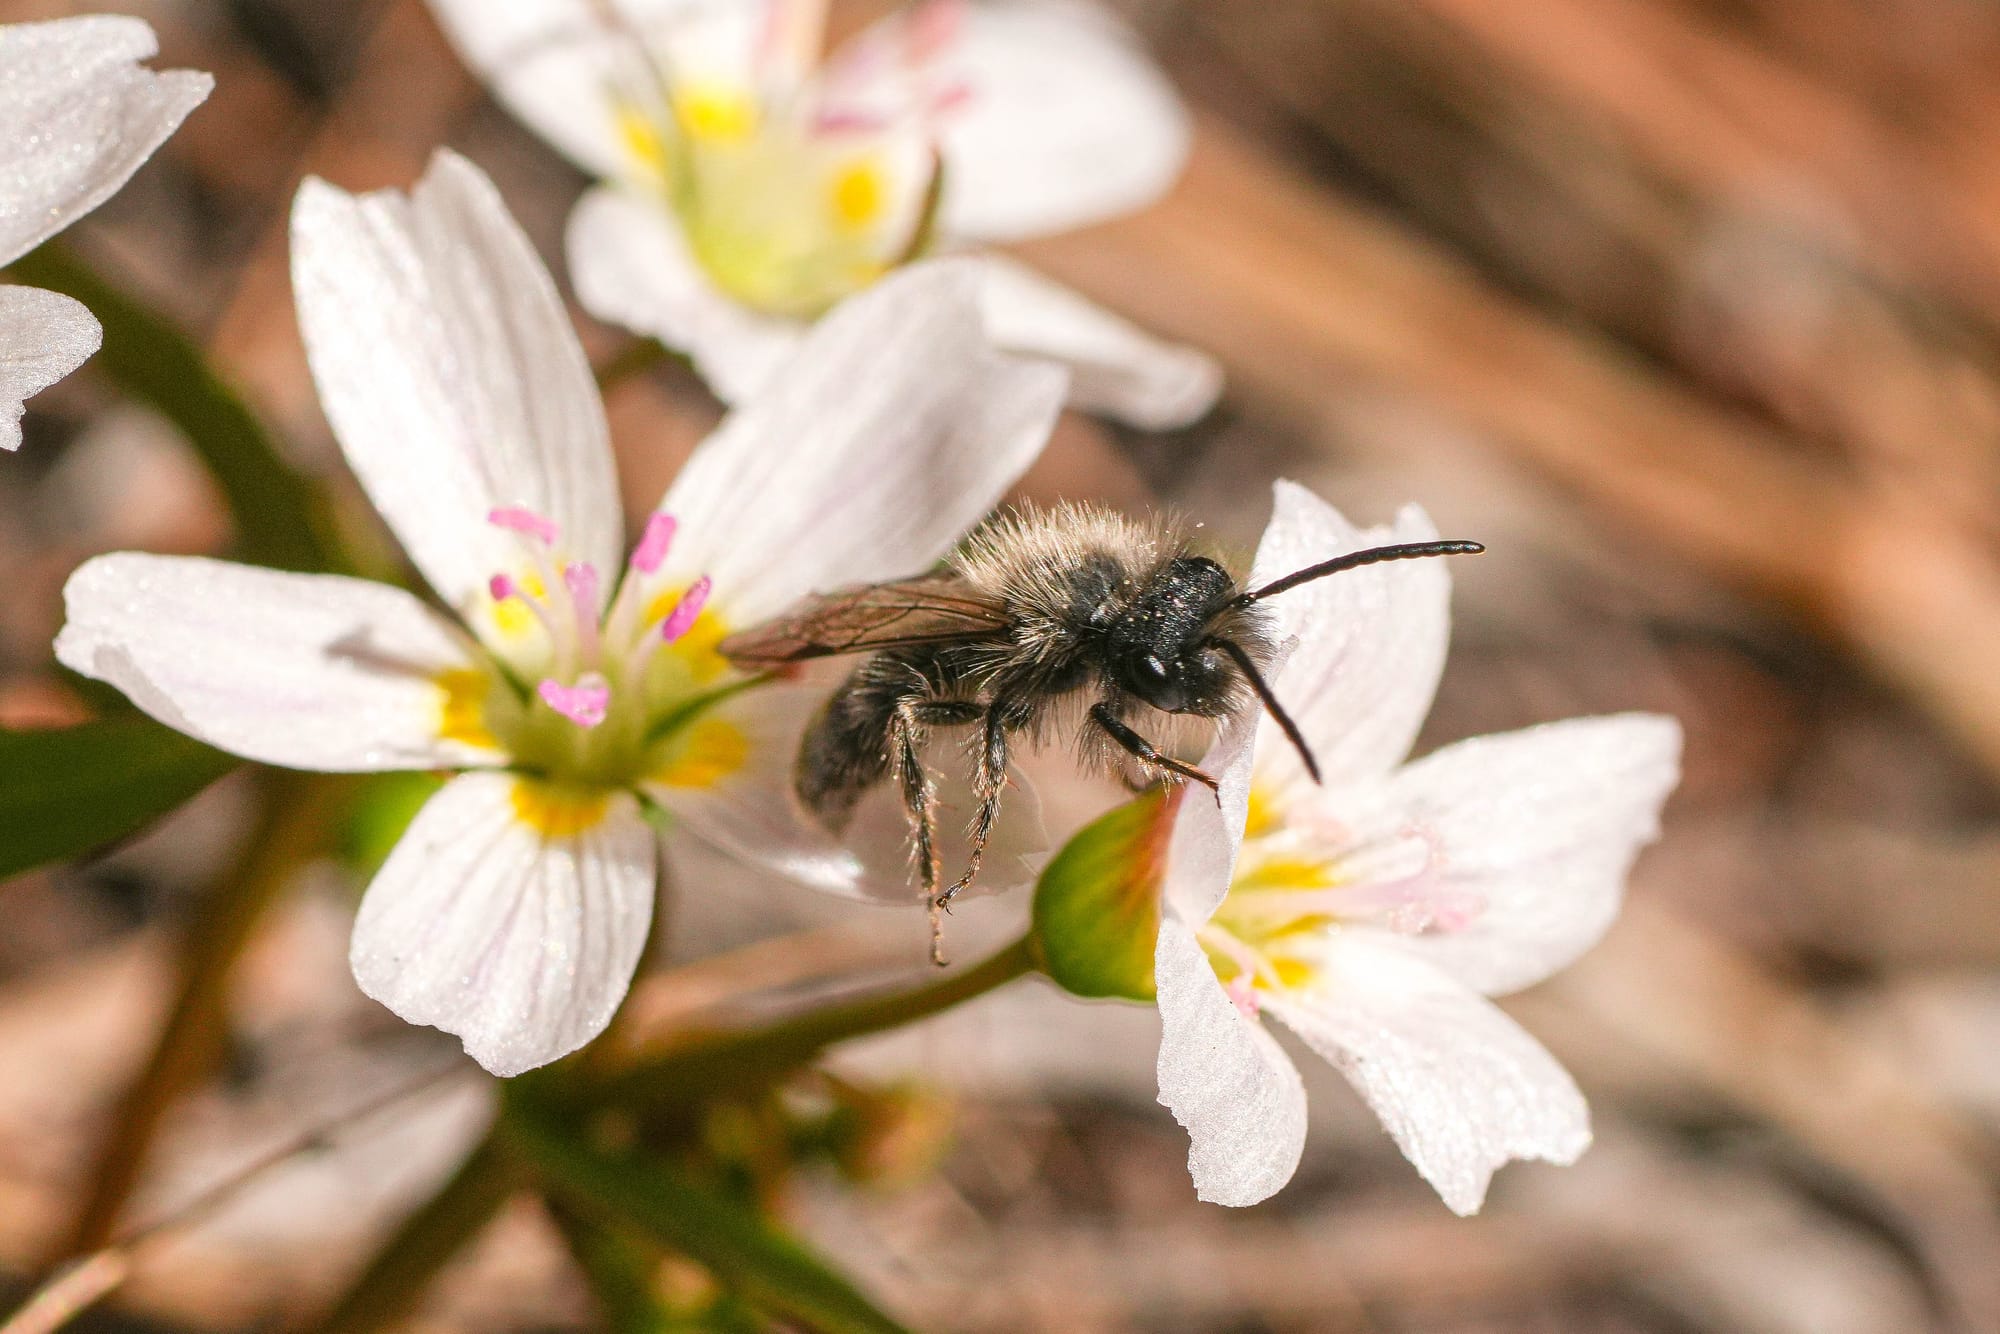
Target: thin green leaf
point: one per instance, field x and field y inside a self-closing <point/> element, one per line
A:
<point x="279" y="517"/>
<point x="69" y="790"/>
<point x="1097" y="904"/>
<point x="745" y="1253"/>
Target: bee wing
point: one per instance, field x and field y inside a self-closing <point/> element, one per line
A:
<point x="929" y="610"/>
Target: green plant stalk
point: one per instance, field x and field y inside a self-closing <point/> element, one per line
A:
<point x="279" y="515"/>
<point x="656" y="1197"/>
<point x="393" y="1281"/>
<point x="295" y="818"/>
<point x="707" y="1063"/>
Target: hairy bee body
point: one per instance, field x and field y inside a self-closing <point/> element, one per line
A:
<point x="1078" y="589"/>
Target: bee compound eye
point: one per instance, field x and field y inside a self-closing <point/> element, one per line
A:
<point x="1152" y="669"/>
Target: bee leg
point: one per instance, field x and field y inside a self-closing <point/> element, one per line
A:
<point x="989" y="776"/>
<point x="1144" y="751"/>
<point x="906" y="735"/>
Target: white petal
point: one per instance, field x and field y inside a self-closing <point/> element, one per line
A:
<point x="1224" y="1079"/>
<point x="308" y="671"/>
<point x="1068" y="122"/>
<point x="749" y="811"/>
<point x="1540" y="825"/>
<point x="889" y="434"/>
<point x="1460" y="1087"/>
<point x="557" y="65"/>
<point x="631" y="266"/>
<point x="43" y="337"/>
<point x="1371" y="641"/>
<point x="1115" y="368"/>
<point x="519" y="943"/>
<point x="81" y="116"/>
<point x="446" y="363"/>
<point x="1208" y="831"/>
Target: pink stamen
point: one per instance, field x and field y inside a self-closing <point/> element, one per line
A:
<point x="526" y="522"/>
<point x="581" y="581"/>
<point x="501" y="587"/>
<point x="682" y="617"/>
<point x="1243" y="996"/>
<point x="584" y="703"/>
<point x="951" y="98"/>
<point x="847" y="122"/>
<point x="654" y="543"/>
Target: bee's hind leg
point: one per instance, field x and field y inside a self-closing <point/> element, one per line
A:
<point x="906" y="740"/>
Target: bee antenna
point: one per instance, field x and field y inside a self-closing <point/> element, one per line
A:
<point x="1270" y="701"/>
<point x="1354" y="560"/>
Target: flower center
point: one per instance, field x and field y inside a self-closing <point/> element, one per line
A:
<point x="793" y="194"/>
<point x="1298" y="879"/>
<point x="590" y="693"/>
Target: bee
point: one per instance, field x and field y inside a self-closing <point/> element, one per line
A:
<point x="1074" y="619"/>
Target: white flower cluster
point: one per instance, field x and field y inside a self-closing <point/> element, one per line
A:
<point x="772" y="217"/>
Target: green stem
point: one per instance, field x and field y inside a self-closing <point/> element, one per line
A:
<point x="700" y="1066"/>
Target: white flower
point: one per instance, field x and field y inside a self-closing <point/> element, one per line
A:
<point x="514" y="909"/>
<point x="1373" y="915"/>
<point x="747" y="187"/>
<point x="78" y="115"/>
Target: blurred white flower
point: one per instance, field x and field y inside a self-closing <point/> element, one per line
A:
<point x="80" y="115"/>
<point x="577" y="684"/>
<point x="748" y="187"/>
<point x="1373" y="916"/>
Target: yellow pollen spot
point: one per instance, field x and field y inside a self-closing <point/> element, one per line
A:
<point x="858" y="193"/>
<point x="557" y="812"/>
<point x="695" y="650"/>
<point x="716" y="112"/>
<point x="1300" y="873"/>
<point x="706" y="753"/>
<point x="642" y="140"/>
<point x="1264" y="814"/>
<point x="462" y="707"/>
<point x="1291" y="973"/>
<point x="512" y="616"/>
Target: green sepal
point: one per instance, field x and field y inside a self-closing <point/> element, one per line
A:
<point x="67" y="791"/>
<point x="1097" y="905"/>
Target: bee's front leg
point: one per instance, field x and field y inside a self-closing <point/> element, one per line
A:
<point x="1145" y="751"/>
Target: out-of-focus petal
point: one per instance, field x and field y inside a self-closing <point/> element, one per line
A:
<point x="1371" y="641"/>
<point x="447" y="365"/>
<point x="1224" y="1079"/>
<point x="1539" y="826"/>
<point x="729" y="782"/>
<point x="1115" y="368"/>
<point x="519" y="940"/>
<point x="890" y="433"/>
<point x="308" y="671"/>
<point x="1460" y="1087"/>
<point x="80" y="116"/>
<point x="43" y="337"/>
<point x="631" y="266"/>
<point x="1066" y="121"/>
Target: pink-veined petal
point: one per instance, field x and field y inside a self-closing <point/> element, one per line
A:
<point x="1115" y="368"/>
<point x="631" y="266"/>
<point x="1459" y="1086"/>
<point x="893" y="430"/>
<point x="310" y="671"/>
<point x="447" y="365"/>
<point x="43" y="337"/>
<point x="81" y="115"/>
<point x="1224" y="1079"/>
<point x="1539" y="826"/>
<point x="520" y="941"/>
<point x="1371" y="641"/>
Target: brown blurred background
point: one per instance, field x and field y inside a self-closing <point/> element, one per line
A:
<point x="1689" y="309"/>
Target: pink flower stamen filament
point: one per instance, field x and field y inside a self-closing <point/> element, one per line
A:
<point x="584" y="703"/>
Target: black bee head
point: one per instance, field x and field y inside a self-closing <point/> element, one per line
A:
<point x="1156" y="649"/>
